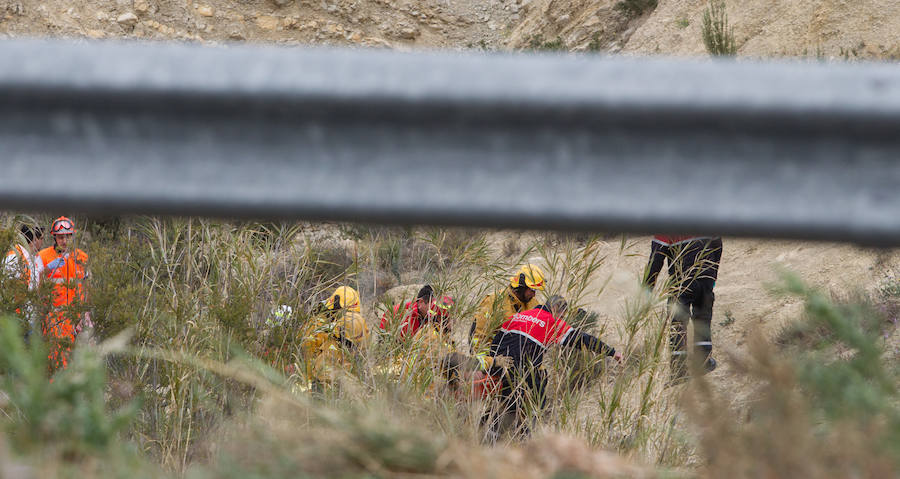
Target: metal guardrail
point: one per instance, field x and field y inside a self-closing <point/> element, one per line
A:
<point x="768" y="149"/>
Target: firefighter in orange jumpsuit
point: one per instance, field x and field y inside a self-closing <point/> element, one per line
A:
<point x="66" y="268"/>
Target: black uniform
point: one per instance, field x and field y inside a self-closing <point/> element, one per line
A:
<point x="693" y="269"/>
<point x="525" y="338"/>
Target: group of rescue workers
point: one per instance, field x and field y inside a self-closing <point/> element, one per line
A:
<point x="64" y="314"/>
<point x="512" y="329"/>
<point x="509" y="336"/>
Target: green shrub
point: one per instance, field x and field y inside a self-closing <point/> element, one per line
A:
<point x="69" y="414"/>
<point x="118" y="293"/>
<point x="636" y="8"/>
<point x="536" y="42"/>
<point x="718" y="36"/>
<point x="596" y="43"/>
<point x="830" y="410"/>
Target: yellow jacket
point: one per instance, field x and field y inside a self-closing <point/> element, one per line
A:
<point x="492" y="312"/>
<point x="329" y="338"/>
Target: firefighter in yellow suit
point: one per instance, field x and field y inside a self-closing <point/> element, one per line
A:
<point x="498" y="307"/>
<point x="335" y="335"/>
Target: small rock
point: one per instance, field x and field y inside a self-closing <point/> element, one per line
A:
<point x="205" y="11"/>
<point x="290" y="22"/>
<point x="377" y="42"/>
<point x="102" y="16"/>
<point x="236" y="35"/>
<point x="127" y="19"/>
<point x="95" y="33"/>
<point x="334" y="29"/>
<point x="282" y="3"/>
<point x="409" y="33"/>
<point x="268" y="22"/>
<point x="142" y="7"/>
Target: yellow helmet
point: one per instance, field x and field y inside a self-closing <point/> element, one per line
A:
<point x="343" y="297"/>
<point x="529" y="275"/>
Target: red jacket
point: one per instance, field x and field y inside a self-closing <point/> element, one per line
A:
<point x="410" y="322"/>
<point x="538" y="325"/>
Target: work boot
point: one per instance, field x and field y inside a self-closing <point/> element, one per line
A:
<point x="709" y="365"/>
<point x="703" y="363"/>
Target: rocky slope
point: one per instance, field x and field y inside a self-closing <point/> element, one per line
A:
<point x="824" y="29"/>
<point x="379" y="23"/>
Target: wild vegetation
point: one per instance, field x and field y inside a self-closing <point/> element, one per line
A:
<point x="189" y="379"/>
<point x="635" y="8"/>
<point x="718" y="35"/>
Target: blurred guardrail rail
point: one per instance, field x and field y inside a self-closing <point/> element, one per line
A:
<point x="770" y="149"/>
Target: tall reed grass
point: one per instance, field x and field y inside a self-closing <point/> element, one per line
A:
<point x="195" y="377"/>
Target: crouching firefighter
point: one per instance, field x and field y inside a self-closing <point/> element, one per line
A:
<point x="334" y="336"/>
<point x="524" y="338"/>
<point x="495" y="308"/>
<point x="425" y="310"/>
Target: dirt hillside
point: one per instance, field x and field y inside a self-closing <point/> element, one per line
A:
<point x="573" y="24"/>
<point x="825" y="28"/>
<point x="819" y="28"/>
<point x="744" y="303"/>
<point x="378" y="23"/>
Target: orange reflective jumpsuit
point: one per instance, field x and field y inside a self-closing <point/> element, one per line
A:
<point x="68" y="290"/>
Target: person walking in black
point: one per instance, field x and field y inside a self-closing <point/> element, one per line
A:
<point x="693" y="269"/>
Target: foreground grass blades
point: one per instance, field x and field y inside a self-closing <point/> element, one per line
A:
<point x="205" y="386"/>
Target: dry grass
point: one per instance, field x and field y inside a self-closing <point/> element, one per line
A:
<point x="204" y="387"/>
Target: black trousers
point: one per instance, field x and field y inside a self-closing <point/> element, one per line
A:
<point x="694" y="268"/>
<point x="521" y="388"/>
<point x="695" y="307"/>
